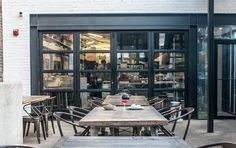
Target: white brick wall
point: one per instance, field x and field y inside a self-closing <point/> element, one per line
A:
<point x="17" y="49"/>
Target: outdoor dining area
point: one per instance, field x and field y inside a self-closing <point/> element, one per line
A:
<point x="121" y="120"/>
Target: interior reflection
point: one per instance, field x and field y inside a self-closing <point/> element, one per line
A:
<point x="95" y="41"/>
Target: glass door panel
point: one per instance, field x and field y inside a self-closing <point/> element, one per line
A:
<point x="226" y="79"/>
<point x="57" y="73"/>
<point x="95" y="65"/>
<point x="169" y="65"/>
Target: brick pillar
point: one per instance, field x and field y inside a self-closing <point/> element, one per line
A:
<point x="1" y="47"/>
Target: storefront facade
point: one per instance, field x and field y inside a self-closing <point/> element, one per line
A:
<point x="151" y="54"/>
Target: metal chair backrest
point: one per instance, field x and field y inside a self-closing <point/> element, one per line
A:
<point x="181" y="113"/>
<point x="68" y="118"/>
<point x="78" y="111"/>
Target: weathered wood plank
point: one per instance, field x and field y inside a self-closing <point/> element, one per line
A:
<point x="34" y="99"/>
<point x="121" y="117"/>
<point x="116" y="100"/>
<point x="121" y="142"/>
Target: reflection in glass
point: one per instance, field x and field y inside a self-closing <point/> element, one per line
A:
<point x="95" y="61"/>
<point x="169" y="60"/>
<point x="202" y="73"/>
<point x="58" y="80"/>
<point x="170" y="95"/>
<point x="63" y="98"/>
<point x="85" y="96"/>
<point x="132" y="60"/>
<point x="57" y="61"/>
<point x="225" y="32"/>
<point x="132" y="80"/>
<point x="165" y="80"/>
<point x="95" y="80"/>
<point x="132" y="41"/>
<point x="173" y="41"/>
<point x="58" y="42"/>
<point x="95" y="41"/>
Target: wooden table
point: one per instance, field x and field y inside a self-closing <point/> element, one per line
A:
<point x="120" y="142"/>
<point x="34" y="99"/>
<point x="119" y="117"/>
<point x="115" y="100"/>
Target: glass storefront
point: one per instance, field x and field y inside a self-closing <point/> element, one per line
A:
<point x="102" y="69"/>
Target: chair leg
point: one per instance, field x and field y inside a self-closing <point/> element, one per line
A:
<point x="34" y="127"/>
<point x="46" y="123"/>
<point x="37" y="126"/>
<point x="43" y="129"/>
<point x="59" y="127"/>
<point x="24" y="126"/>
<point x="28" y="127"/>
<point x="52" y="124"/>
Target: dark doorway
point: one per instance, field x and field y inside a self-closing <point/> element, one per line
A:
<point x="226" y="79"/>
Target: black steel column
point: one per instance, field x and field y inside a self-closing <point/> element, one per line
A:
<point x="211" y="72"/>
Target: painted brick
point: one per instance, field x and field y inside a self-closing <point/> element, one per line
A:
<point x="1" y="48"/>
<point x="17" y="49"/>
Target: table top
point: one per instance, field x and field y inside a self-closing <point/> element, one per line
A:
<point x="115" y="100"/>
<point x="34" y="99"/>
<point x="99" y="117"/>
<point x="120" y="142"/>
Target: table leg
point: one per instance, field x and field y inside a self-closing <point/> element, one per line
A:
<point x="94" y="131"/>
<point x="154" y="130"/>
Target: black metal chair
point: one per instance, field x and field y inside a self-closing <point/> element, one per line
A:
<point x="156" y="102"/>
<point x="48" y="113"/>
<point x="70" y="118"/>
<point x="175" y="115"/>
<point x="16" y="146"/>
<point x="78" y="111"/>
<point x="222" y="144"/>
<point x="35" y="117"/>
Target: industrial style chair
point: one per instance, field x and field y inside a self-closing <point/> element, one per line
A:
<point x="157" y="102"/>
<point x="175" y="115"/>
<point x="70" y="118"/>
<point x="47" y="113"/>
<point x="35" y="117"/>
<point x="222" y="144"/>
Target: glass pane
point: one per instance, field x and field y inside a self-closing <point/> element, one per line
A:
<point x="132" y="41"/>
<point x="140" y="93"/>
<point x="202" y="72"/>
<point x="172" y="41"/>
<point x="58" y="61"/>
<point x="63" y="98"/>
<point x="226" y="76"/>
<point x="58" y="80"/>
<point x="169" y="60"/>
<point x="132" y="80"/>
<point x="86" y="95"/>
<point x="95" y="61"/>
<point x="164" y="80"/>
<point x="58" y="42"/>
<point x="225" y="32"/>
<point x="98" y="80"/>
<point x="132" y="60"/>
<point x="170" y="96"/>
<point x="95" y="41"/>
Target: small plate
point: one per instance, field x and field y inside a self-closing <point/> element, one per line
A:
<point x="134" y="108"/>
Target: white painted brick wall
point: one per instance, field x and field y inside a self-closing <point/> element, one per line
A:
<point x="17" y="49"/>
